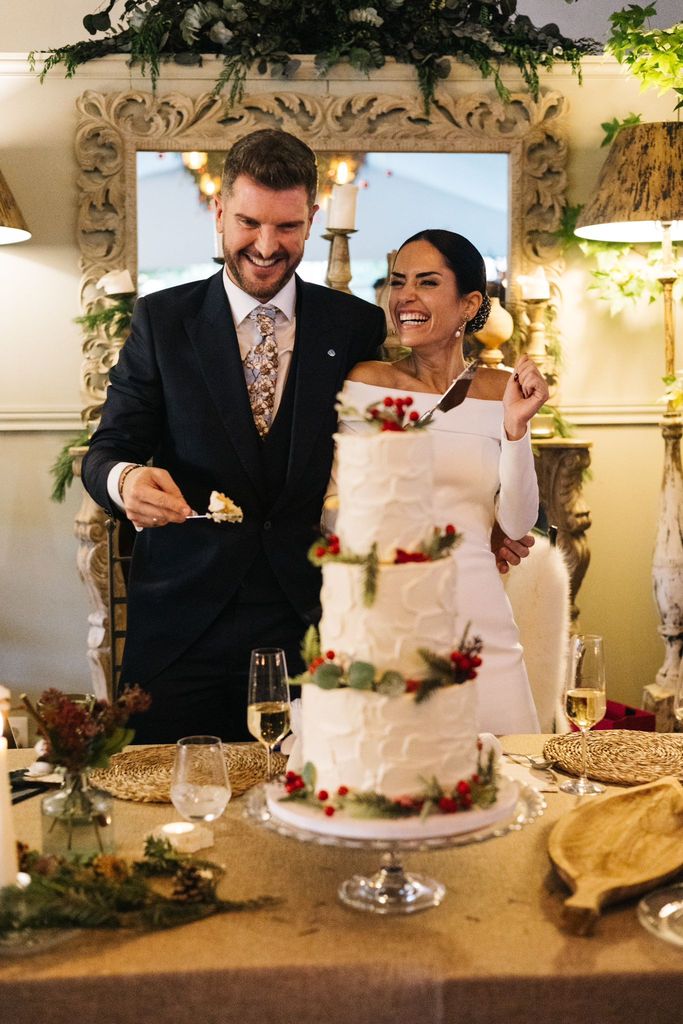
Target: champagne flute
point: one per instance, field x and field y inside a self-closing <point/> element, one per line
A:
<point x="268" y="700"/>
<point x="585" y="702"/>
<point x="200" y="787"/>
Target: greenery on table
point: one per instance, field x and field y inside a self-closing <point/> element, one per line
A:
<point x="107" y="892"/>
<point x="266" y="33"/>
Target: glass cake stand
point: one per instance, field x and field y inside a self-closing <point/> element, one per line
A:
<point x="391" y="890"/>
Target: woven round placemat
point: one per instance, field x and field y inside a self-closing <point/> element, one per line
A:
<point x="144" y="775"/>
<point x="623" y="756"/>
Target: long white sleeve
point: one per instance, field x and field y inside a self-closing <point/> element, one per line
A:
<point x="517" y="498"/>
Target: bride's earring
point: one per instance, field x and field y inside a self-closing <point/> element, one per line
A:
<point x="461" y="328"/>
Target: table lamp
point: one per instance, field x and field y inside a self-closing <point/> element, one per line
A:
<point x="639" y="199"/>
<point x="12" y="225"/>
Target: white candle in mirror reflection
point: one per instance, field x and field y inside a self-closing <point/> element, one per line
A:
<point x="535" y="287"/>
<point x="341" y="212"/>
<point x="8" y="846"/>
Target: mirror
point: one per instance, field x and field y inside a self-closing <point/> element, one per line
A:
<point x="528" y="136"/>
<point x="399" y="194"/>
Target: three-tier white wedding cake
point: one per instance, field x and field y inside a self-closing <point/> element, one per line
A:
<point x="389" y="719"/>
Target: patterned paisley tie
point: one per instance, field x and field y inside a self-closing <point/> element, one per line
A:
<point x="260" y="368"/>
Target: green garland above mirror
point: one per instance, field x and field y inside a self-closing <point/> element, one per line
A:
<point x="267" y="33"/>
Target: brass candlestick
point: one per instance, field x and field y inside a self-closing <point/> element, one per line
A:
<point x="542" y="424"/>
<point x="535" y="348"/>
<point x="339" y="262"/>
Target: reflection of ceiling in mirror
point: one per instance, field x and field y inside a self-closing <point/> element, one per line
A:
<point x="400" y="193"/>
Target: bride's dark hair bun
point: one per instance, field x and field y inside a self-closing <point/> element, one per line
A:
<point x="467" y="264"/>
<point x="480" y="317"/>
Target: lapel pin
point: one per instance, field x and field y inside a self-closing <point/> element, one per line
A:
<point x="331" y="352"/>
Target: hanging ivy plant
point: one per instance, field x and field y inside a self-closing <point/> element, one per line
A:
<point x="655" y="56"/>
<point x="265" y="33"/>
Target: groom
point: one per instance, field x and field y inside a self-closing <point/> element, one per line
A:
<point x="228" y="384"/>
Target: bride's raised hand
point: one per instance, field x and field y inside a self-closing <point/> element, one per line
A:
<point x="524" y="394"/>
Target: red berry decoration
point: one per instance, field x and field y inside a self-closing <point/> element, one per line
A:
<point x="323" y="795"/>
<point x="388" y="401"/>
<point x="414" y="417"/>
<point x="330" y="655"/>
<point x="447" y="805"/>
<point x="408" y="401"/>
<point x="343" y="790"/>
<point x="329" y="810"/>
<point x="450" y="530"/>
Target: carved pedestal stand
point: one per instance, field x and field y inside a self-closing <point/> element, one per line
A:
<point x="91" y="560"/>
<point x="560" y="466"/>
<point x="667" y="576"/>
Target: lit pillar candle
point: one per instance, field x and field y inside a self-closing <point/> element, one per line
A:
<point x="341" y="213"/>
<point x="8" y="846"/>
<point x="535" y="287"/>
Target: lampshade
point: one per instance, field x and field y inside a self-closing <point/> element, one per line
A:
<point x="640" y="186"/>
<point x="12" y="224"/>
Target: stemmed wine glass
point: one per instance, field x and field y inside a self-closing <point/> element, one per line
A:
<point x="585" y="702"/>
<point x="200" y="787"/>
<point x="268" y="700"/>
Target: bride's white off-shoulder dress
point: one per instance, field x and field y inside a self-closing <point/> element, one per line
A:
<point x="479" y="476"/>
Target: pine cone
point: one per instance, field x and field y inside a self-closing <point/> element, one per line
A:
<point x="193" y="885"/>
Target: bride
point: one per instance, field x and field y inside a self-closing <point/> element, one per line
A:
<point x="484" y="469"/>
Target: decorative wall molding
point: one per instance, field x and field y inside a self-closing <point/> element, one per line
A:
<point x="44" y="417"/>
<point x="113" y="126"/>
<point x="613" y="415"/>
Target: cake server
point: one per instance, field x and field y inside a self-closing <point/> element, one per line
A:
<point x="454" y="394"/>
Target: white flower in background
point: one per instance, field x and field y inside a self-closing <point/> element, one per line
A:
<point x="117" y="282"/>
<point x="366" y="15"/>
<point x="139" y="16"/>
<point x="220" y="34"/>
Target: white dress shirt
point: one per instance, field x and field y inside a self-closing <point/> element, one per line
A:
<point x="241" y="305"/>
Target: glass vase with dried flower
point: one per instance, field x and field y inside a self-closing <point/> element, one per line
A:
<point x="82" y="733"/>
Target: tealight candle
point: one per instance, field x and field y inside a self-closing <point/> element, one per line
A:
<point x="184" y="836"/>
<point x="535" y="287"/>
<point x="341" y="212"/>
<point x="8" y="846"/>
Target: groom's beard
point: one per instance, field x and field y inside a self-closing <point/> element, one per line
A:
<point x="261" y="282"/>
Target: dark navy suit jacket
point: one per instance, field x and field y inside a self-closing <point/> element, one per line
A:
<point x="178" y="396"/>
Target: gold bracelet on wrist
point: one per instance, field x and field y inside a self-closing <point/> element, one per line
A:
<point x="124" y="473"/>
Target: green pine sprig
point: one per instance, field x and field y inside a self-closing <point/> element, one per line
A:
<point x="107" y="892"/>
<point x="62" y="468"/>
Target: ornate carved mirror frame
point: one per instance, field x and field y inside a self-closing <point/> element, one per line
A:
<point x="114" y="126"/>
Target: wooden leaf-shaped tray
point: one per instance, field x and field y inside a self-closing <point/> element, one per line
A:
<point x="615" y="847"/>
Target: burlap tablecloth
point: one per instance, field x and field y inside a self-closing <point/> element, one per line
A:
<point x="492" y="953"/>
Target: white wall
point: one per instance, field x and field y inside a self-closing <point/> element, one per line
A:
<point x="610" y="383"/>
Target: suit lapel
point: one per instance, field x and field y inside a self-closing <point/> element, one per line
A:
<point x="213" y="336"/>
<point x="317" y="373"/>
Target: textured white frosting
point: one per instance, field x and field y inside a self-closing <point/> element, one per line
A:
<point x="389" y="745"/>
<point x="413" y="608"/>
<point x="385" y="487"/>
